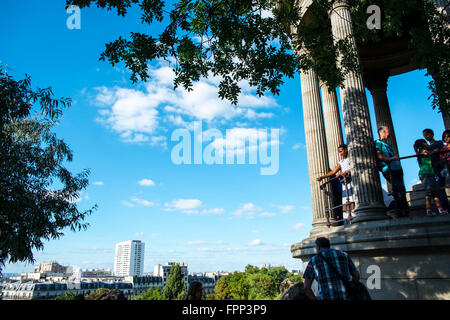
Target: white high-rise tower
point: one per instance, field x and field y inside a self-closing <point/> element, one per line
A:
<point x="129" y="258"/>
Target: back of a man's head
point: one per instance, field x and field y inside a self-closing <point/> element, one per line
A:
<point x="323" y="243"/>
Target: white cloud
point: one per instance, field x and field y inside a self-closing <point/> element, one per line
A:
<point x="239" y="141"/>
<point x="138" y="201"/>
<point x="139" y="234"/>
<point x="286" y="208"/>
<point x="267" y="214"/>
<point x="213" y="211"/>
<point x="188" y="206"/>
<point x="299" y="145"/>
<point x="247" y="209"/>
<point x="130" y="112"/>
<point x="298" y="227"/>
<point x="128" y="204"/>
<point x="142" y="202"/>
<point x="146" y="183"/>
<point x="136" y="114"/>
<point x="98" y="183"/>
<point x="256" y="242"/>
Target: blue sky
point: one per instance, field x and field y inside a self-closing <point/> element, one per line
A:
<point x="212" y="217"/>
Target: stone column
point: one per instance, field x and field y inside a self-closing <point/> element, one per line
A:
<point x="316" y="145"/>
<point x="441" y="5"/>
<point x="446" y="118"/>
<point x="333" y="126"/>
<point x="358" y="129"/>
<point x="377" y="85"/>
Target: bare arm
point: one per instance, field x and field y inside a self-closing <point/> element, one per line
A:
<point x="329" y="174"/>
<point x="308" y="291"/>
<point x="381" y="157"/>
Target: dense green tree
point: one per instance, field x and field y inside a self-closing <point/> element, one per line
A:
<point x="232" y="287"/>
<point x="150" y="294"/>
<point x="96" y="294"/>
<point x="262" y="287"/>
<point x="251" y="269"/>
<point x="278" y="274"/>
<point x="66" y="296"/>
<point x="253" y="284"/>
<point x="38" y="194"/>
<point x="239" y="40"/>
<point x="175" y="286"/>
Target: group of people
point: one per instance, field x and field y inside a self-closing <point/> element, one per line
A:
<point x="434" y="161"/>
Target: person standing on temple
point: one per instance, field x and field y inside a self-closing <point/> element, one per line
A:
<point x="445" y="158"/>
<point x="428" y="177"/>
<point x="435" y="149"/>
<point x="342" y="170"/>
<point x="392" y="171"/>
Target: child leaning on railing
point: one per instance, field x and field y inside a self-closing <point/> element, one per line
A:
<point x="428" y="177"/>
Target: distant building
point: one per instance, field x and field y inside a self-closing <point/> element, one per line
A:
<point x="217" y="274"/>
<point x="48" y="270"/>
<point x="94" y="273"/>
<point x="49" y="290"/>
<point x="208" y="283"/>
<point x="142" y="283"/>
<point x="163" y="271"/>
<point x="129" y="258"/>
<point x="296" y="272"/>
<point x="53" y="267"/>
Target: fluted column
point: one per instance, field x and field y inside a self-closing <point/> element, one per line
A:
<point x="441" y="5"/>
<point x="333" y="126"/>
<point x="316" y="146"/>
<point x="446" y="118"/>
<point x="377" y="85"/>
<point x="358" y="129"/>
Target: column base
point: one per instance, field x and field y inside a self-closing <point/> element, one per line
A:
<point x="369" y="212"/>
<point x="319" y="226"/>
<point x="408" y="256"/>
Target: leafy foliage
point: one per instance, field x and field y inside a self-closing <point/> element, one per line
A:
<point x="253" y="284"/>
<point x="175" y="287"/>
<point x="32" y="207"/>
<point x="150" y="294"/>
<point x="261" y="41"/>
<point x="96" y="294"/>
<point x="66" y="296"/>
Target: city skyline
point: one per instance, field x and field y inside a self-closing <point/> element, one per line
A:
<point x="212" y="217"/>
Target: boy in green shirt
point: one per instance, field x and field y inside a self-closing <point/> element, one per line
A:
<point x="427" y="176"/>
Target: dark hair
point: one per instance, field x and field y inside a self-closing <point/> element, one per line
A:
<point x="382" y="128"/>
<point x="343" y="146"/>
<point x="194" y="287"/>
<point x="323" y="242"/>
<point x="428" y="131"/>
<point x="446" y="132"/>
<point x="418" y="148"/>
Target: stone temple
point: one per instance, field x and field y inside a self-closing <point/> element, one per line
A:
<point x="413" y="254"/>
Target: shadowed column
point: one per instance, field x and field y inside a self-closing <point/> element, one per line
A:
<point x="316" y="146"/>
<point x="333" y="126"/>
<point x="377" y="85"/>
<point x="358" y="129"/>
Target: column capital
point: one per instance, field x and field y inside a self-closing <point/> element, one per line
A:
<point x="376" y="81"/>
<point x="339" y="5"/>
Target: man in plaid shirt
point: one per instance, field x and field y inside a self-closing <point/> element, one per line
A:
<point x="331" y="286"/>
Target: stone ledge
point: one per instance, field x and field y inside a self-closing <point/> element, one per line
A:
<point x="383" y="235"/>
